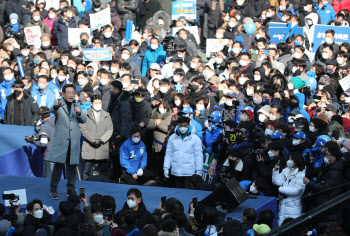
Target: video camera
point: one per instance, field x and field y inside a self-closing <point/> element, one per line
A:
<point x="12" y="198"/>
<point x="31" y="139"/>
<point x="169" y="45"/>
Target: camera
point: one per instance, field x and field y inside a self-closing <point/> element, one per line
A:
<point x="258" y="151"/>
<point x="168" y="44"/>
<point x="235" y="103"/>
<point x="337" y="23"/>
<point x="31" y="139"/>
<point x="12" y="198"/>
<point x="109" y="214"/>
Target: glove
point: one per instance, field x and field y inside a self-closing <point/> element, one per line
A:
<point x="97" y="143"/>
<point x="140" y="172"/>
<point x="166" y="173"/>
<point x="29" y="139"/>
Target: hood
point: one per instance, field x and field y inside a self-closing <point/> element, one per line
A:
<point x="130" y="51"/>
<point x="313" y="17"/>
<point x="150" y="87"/>
<point x="93" y="65"/>
<point x="301" y="99"/>
<point x="262" y="74"/>
<point x="166" y="18"/>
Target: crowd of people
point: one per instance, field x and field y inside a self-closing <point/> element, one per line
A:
<point x="265" y="110"/>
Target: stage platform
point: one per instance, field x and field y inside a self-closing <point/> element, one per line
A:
<point x="40" y="187"/>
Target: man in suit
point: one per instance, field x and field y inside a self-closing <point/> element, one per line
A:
<point x="65" y="147"/>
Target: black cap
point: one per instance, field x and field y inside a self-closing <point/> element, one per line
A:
<point x="331" y="62"/>
<point x="309" y="2"/>
<point x="255" y="19"/>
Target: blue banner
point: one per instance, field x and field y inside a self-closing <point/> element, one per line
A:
<point x="97" y="54"/>
<point x="184" y="8"/>
<point x="279" y="31"/>
<point x="341" y="35"/>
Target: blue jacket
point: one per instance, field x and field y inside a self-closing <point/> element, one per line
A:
<point x="5" y="90"/>
<point x="46" y="99"/>
<point x="60" y="30"/>
<point x="133" y="156"/>
<point x="210" y="136"/>
<point x="55" y="86"/>
<point x="326" y="13"/>
<point x="153" y="56"/>
<point x="280" y="13"/>
<point x="301" y="100"/>
<point x="138" y="59"/>
<point x="197" y="126"/>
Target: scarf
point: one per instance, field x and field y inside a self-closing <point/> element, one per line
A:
<point x="15" y="27"/>
<point x="289" y="34"/>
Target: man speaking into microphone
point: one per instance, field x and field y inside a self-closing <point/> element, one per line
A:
<point x="65" y="147"/>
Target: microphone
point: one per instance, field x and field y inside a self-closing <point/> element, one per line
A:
<point x="75" y="104"/>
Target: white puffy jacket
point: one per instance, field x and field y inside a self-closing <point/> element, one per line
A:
<point x="184" y="156"/>
<point x="292" y="187"/>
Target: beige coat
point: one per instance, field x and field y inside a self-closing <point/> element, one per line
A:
<point x="102" y="130"/>
<point x="160" y="131"/>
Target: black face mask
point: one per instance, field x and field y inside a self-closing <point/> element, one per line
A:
<point x="84" y="42"/>
<point x="16" y="93"/>
<point x="239" y="139"/>
<point x="231" y="162"/>
<point x="293" y="105"/>
<point x="277" y="86"/>
<point x="193" y="88"/>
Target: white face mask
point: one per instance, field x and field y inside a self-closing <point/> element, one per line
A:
<point x="284" y="19"/>
<point x="53" y="76"/>
<point x="296" y="142"/>
<point x="344" y="150"/>
<point x="268" y="14"/>
<point x="271" y="154"/>
<point x="176" y="78"/>
<point x="219" y="36"/>
<point x="227" y="18"/>
<point x="306" y="8"/>
<point x="238" y="17"/>
<point x="183" y="130"/>
<point x="329" y="40"/>
<point x="81" y="82"/>
<point x="241" y="81"/>
<point x="243" y="63"/>
<point x="268" y="131"/>
<point x="240" y="3"/>
<point x="262" y="118"/>
<point x="312" y="128"/>
<point x="131" y="203"/>
<point x="250" y="92"/>
<point x="328" y="113"/>
<point x="75" y="53"/>
<point x="235" y="50"/>
<point x="64" y="62"/>
<point x="114" y="70"/>
<point x="162" y="110"/>
<point x="61" y="78"/>
<point x="325" y="55"/>
<point x="41" y="85"/>
<point x="340" y="60"/>
<point x="290" y="86"/>
<point x="51" y="16"/>
<point x="125" y="57"/>
<point x="253" y="190"/>
<point x="39" y="214"/>
<point x="107" y="35"/>
<point x="296" y="55"/>
<point x="134" y="50"/>
<point x="257" y="77"/>
<point x="290" y="164"/>
<point x="156" y="84"/>
<point x="103" y="82"/>
<point x="326" y="161"/>
<point x="263" y="16"/>
<point x="199" y="107"/>
<point x="160" y="22"/>
<point x="13" y="21"/>
<point x="25" y="53"/>
<point x="163" y="89"/>
<point x="97" y="107"/>
<point x="218" y="60"/>
<point x="207" y="74"/>
<point x="177" y="102"/>
<point x="8" y="77"/>
<point x="193" y="65"/>
<point x="125" y="85"/>
<point x="135" y="140"/>
<point x="232" y="24"/>
<point x="36" y="18"/>
<point x="228" y="103"/>
<point x="272" y="117"/>
<point x="154" y="46"/>
<point x="99" y="219"/>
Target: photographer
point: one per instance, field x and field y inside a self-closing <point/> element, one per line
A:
<point x="4" y="223"/>
<point x="235" y="167"/>
<point x="36" y="218"/>
<point x="43" y="139"/>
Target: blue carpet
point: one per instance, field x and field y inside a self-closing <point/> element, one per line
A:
<point x="39" y="188"/>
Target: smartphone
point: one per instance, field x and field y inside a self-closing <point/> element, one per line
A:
<point x="335" y="134"/>
<point x="266" y="52"/>
<point x="195" y="202"/>
<point x="81" y="192"/>
<point x="316" y="97"/>
<point x="163" y="200"/>
<point x="255" y="51"/>
<point x="134" y="81"/>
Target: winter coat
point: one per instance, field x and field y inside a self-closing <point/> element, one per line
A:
<point x="202" y="118"/>
<point x="213" y="15"/>
<point x="291" y="188"/>
<point x="326" y="13"/>
<point x="46" y="98"/>
<point x="30" y="110"/>
<point x="240" y="171"/>
<point x="18" y="36"/>
<point x="5" y="90"/>
<point x="128" y="12"/>
<point x="153" y="56"/>
<point x="89" y="219"/>
<point x="141" y="111"/>
<point x="135" y="70"/>
<point x="184" y="154"/>
<point x="43" y="26"/>
<point x="104" y="92"/>
<point x="15" y="6"/>
<point x="304" y="14"/>
<point x="143" y="216"/>
<point x="161" y="130"/>
<point x="318" y="55"/>
<point x="301" y="101"/>
<point x="32" y="224"/>
<point x="87" y="15"/>
<point x="122" y="116"/>
<point x="60" y="30"/>
<point x="260" y="5"/>
<point x="47" y="130"/>
<point x="67" y="134"/>
<point x="246" y="10"/>
<point x="164" y="96"/>
<point x="116" y="21"/>
<point x="133" y="156"/>
<point x="91" y="130"/>
<point x="147" y="10"/>
<point x="304" y="58"/>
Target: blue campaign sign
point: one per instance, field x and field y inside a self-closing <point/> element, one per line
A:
<point x="184" y="8"/>
<point x="97" y="54"/>
<point x="279" y="31"/>
<point x="341" y="35"/>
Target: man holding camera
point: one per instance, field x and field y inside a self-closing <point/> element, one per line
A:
<point x="65" y="147"/>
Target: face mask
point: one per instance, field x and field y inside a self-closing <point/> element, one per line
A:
<point x="296" y="142"/>
<point x="176" y="78"/>
<point x="329" y="70"/>
<point x="232" y="24"/>
<point x="282" y="8"/>
<point x="218" y="60"/>
<point x="347" y="100"/>
<point x="326" y="161"/>
<point x="290" y="164"/>
<point x="256" y="100"/>
<point x="13" y="21"/>
<point x="36" y="18"/>
<point x="90" y="72"/>
<point x="325" y="56"/>
<point x="177" y="102"/>
<point x="253" y="190"/>
<point x="219" y="36"/>
<point x="42" y="86"/>
<point x="250" y="92"/>
<point x="36" y="61"/>
<point x="16" y="93"/>
<point x="84" y="42"/>
<point x="61" y="78"/>
<point x="45" y="44"/>
<point x="262" y="118"/>
<point x="99" y="219"/>
<point x="284" y="19"/>
<point x="207" y="74"/>
<point x="114" y="70"/>
<point x="163" y="89"/>
<point x="135" y="140"/>
<point x="238" y="17"/>
<point x="228" y="103"/>
<point x="103" y="82"/>
<point x="268" y="131"/>
<point x="193" y="65"/>
<point x="268" y="14"/>
<point x="272" y="117"/>
<point x="340" y="60"/>
<point x="265" y="101"/>
<point x="137" y="99"/>
<point x="199" y="107"/>
<point x="343" y="150"/>
<point x="244" y="118"/>
<point x="25" y="53"/>
<point x="290" y="86"/>
<point x="235" y="50"/>
<point x="75" y="53"/>
<point x="162" y="110"/>
<point x="97" y="9"/>
<point x="312" y="128"/>
<point x="156" y="84"/>
<point x="328" y="40"/>
<point x="183" y="130"/>
<point x="8" y="77"/>
<point x="125" y="85"/>
<point x="263" y="16"/>
<point x="160" y="22"/>
<point x="64" y="62"/>
<point x="271" y="154"/>
<point x="51" y="16"/>
<point x="257" y="77"/>
<point x="125" y="57"/>
<point x="39" y="214"/>
<point x="97" y="107"/>
<point x="296" y="55"/>
<point x="107" y="35"/>
<point x="328" y="113"/>
<point x="240" y="3"/>
<point x="70" y="15"/>
<point x="243" y="63"/>
<point x="154" y="46"/>
<point x="241" y="81"/>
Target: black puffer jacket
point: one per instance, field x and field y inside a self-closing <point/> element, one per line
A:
<point x="32" y="224"/>
<point x="122" y="116"/>
<point x="213" y="15"/>
<point x="127" y="10"/>
<point x="15" y="6"/>
<point x="143" y="216"/>
<point x="106" y="96"/>
<point x="246" y="10"/>
<point x="18" y="36"/>
<point x="147" y="10"/>
<point x="141" y="111"/>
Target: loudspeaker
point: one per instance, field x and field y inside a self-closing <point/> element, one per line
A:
<point x="229" y="196"/>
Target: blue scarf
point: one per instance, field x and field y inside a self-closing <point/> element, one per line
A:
<point x="15" y="27"/>
<point x="289" y="34"/>
<point x="240" y="145"/>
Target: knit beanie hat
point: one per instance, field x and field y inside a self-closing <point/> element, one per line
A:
<point x="297" y="82"/>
